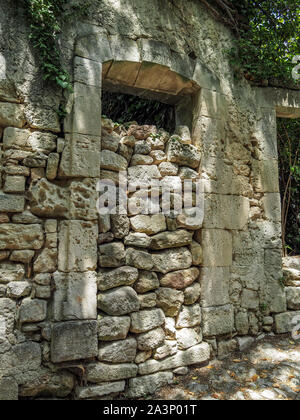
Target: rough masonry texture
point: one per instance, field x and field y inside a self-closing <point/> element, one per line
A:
<point x="130" y="298"/>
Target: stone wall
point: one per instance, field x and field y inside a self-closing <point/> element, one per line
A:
<point x="63" y="270"/>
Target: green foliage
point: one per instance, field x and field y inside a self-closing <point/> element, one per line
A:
<point x="289" y="177"/>
<point x="46" y="18"/>
<point x="265" y="48"/>
<point x="124" y="108"/>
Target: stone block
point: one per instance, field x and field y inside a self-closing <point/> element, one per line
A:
<point x="189" y="316"/>
<point x="272" y="206"/>
<point x="102" y="372"/>
<point x="112" y="254"/>
<point x="192" y="294"/>
<point x="150" y="340"/>
<point x="88" y="72"/>
<point x="32" y="310"/>
<point x="265" y="176"/>
<point x="23" y="256"/>
<point x="172" y="260"/>
<point x="250" y="299"/>
<point x="10" y="272"/>
<point x="11" y="115"/>
<point x="147" y="385"/>
<point x="8" y="389"/>
<point x="46" y="262"/>
<point x="45" y="383"/>
<point x="183" y="154"/>
<point x="18" y="289"/>
<point x="98" y="391"/>
<point x="169" y="300"/>
<point x="217" y="247"/>
<point x="77" y="246"/>
<point x="139" y="259"/>
<point x="214" y="286"/>
<point x="188" y="337"/>
<point x="146" y="282"/>
<point x="293" y="297"/>
<point x="180" y="279"/>
<point x="218" y="320"/>
<point x="48" y="199"/>
<point x="174" y="239"/>
<point x="146" y="320"/>
<point x="148" y="224"/>
<point x="120" y="301"/>
<point x="226" y="347"/>
<point x="123" y="351"/>
<point x="147" y="300"/>
<point x="123" y="276"/>
<point x="74" y="340"/>
<point x="112" y="328"/>
<point x="285" y="322"/>
<point x="11" y="203"/>
<point x="14" y="184"/>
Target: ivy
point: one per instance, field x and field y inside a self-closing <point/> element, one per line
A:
<point x="46" y="18"/>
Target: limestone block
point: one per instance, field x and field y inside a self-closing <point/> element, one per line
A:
<point x="147" y="385"/>
<point x="192" y="294"/>
<point x="139" y="259"/>
<point x="184" y="133"/>
<point x="183" y="154"/>
<point x="293" y="298"/>
<point x="174" y="239"/>
<point x="137" y="239"/>
<point x="112" y="161"/>
<point x="218" y="320"/>
<point x="194" y="355"/>
<point x="11" y="203"/>
<point x="272" y="206"/>
<point x="242" y="323"/>
<point x="74" y="340"/>
<point x="43" y="118"/>
<point x="188" y="337"/>
<point x="273" y="257"/>
<point x="197" y="253"/>
<point x="32" y="310"/>
<point x="11" y="115"/>
<point x="8" y="389"/>
<point x="14" y="184"/>
<point x="250" y="299"/>
<point x="88" y="72"/>
<point x="172" y="260"/>
<point x="217" y="247"/>
<point x="191" y="218"/>
<point x="180" y="279"/>
<point x="158" y="156"/>
<point x="100" y="390"/>
<point x="226" y="212"/>
<point x="272" y="293"/>
<point x="123" y="351"/>
<point x="112" y="328"/>
<point x="147" y="300"/>
<point x="265" y="176"/>
<point x="16" y="170"/>
<point x="189" y="316"/>
<point x="85" y="115"/>
<point x="214" y="286"/>
<point x="121" y="301"/>
<point x="211" y="104"/>
<point x="18" y="289"/>
<point x="15" y="236"/>
<point x="8" y="310"/>
<point x="52" y="166"/>
<point x="169" y="300"/>
<point x="104" y="223"/>
<point x="120" y="225"/>
<point x="102" y="372"/>
<point x="123" y="276"/>
<point x="81" y="156"/>
<point x="45" y="382"/>
<point x="95" y="47"/>
<point x="46" y="262"/>
<point x="142" y="356"/>
<point x="11" y="272"/>
<point x="286" y="321"/>
<point x="143" y="174"/>
<point x="168" y="169"/>
<point x="112" y="254"/>
<point x="110" y="141"/>
<point x="148" y="224"/>
<point x="146" y="282"/>
<point x="168" y="348"/>
<point x="77" y="246"/>
<point x="151" y="339"/>
<point x="187" y="173"/>
<point x="146" y="320"/>
<point x="36" y="141"/>
<point x="265" y="134"/>
<point x="142" y="132"/>
<point x="47" y="199"/>
<point x="208" y="134"/>
<point x="142" y="147"/>
<point x="75" y="296"/>
<point x="24" y="256"/>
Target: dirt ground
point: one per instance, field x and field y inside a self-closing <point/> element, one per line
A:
<point x="269" y="370"/>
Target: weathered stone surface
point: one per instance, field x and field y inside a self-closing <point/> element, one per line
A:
<point x="218" y="320"/>
<point x="183" y="154"/>
<point x="250" y="299"/>
<point x="18" y="289"/>
<point x="226" y="347"/>
<point x="187" y="173"/>
<point x="192" y="294"/>
<point x="112" y="255"/>
<point x="123" y="276"/>
<point x="25" y="140"/>
<point x="172" y="260"/>
<point x="168" y="169"/>
<point x="120" y="225"/>
<point x="11" y="115"/>
<point x="187" y="337"/>
<point x="100" y="390"/>
<point x="217" y="247"/>
<point x="52" y="166"/>
<point x="74" y="341"/>
<point x="110" y="141"/>
<point x="197" y="253"/>
<point x="171" y="239"/>
<point x="148" y="224"/>
<point x="112" y="328"/>
<point x="146" y="320"/>
<point x="121" y="301"/>
<point x="24" y="256"/>
<point x="46" y="262"/>
<point x="143" y="174"/>
<point x="158" y="156"/>
<point x="11" y="203"/>
<point x="139" y="259"/>
<point x="147" y="385"/>
<point x="189" y="316"/>
<point x="194" y="355"/>
<point x="242" y="323"/>
<point x="151" y="339"/>
<point x="142" y="356"/>
<point x="191" y="218"/>
<point x="265" y="175"/>
<point x="77" y="246"/>
<point x="102" y="372"/>
<point x="214" y="286"/>
<point x="148" y="300"/>
<point x="11" y="272"/>
<point x="15" y="236"/>
<point x="141" y="132"/>
<point x="137" y="239"/>
<point x="180" y="279"/>
<point x="8" y="389"/>
<point x="26" y="218"/>
<point x="14" y="184"/>
<point x="32" y="310"/>
<point x="75" y="296"/>
<point x="47" y="199"/>
<point x="293" y="298"/>
<point x="184" y="133"/>
<point x="118" y="351"/>
<point x="48" y="384"/>
<point x="168" y="348"/>
<point x="112" y="161"/>
<point x="169" y="300"/>
<point x="147" y="281"/>
<point x="286" y="321"/>
<point x="141" y="160"/>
